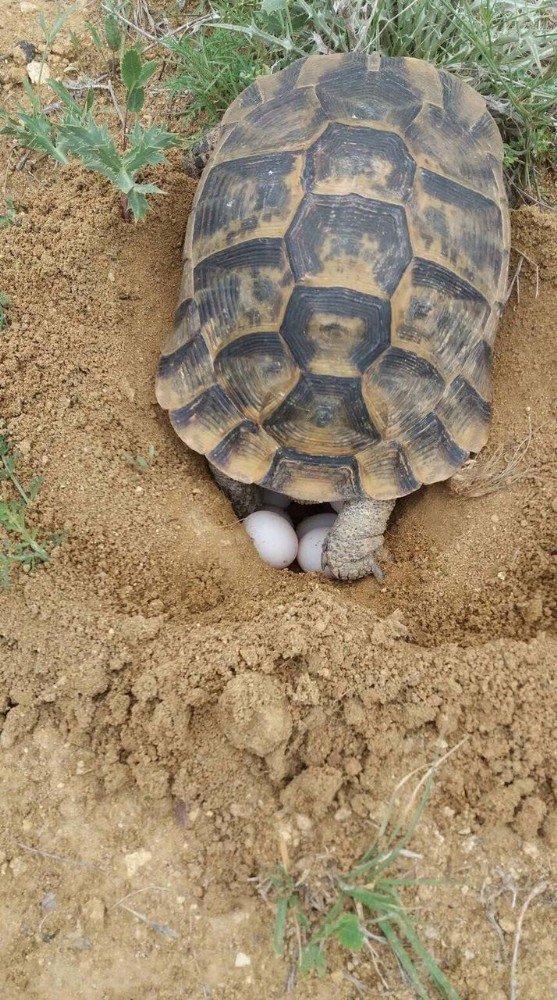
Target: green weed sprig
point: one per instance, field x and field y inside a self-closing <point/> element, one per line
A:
<point x="18" y="541"/>
<point x="364" y="902"/>
<point x="5" y="303"/>
<point x="75" y="133"/>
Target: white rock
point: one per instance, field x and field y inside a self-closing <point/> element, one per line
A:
<point x="35" y="74"/>
<point x="270" y="497"/>
<point x="136" y="860"/>
<point x="242" y="960"/>
<point x="273" y="537"/>
<point x="324" y="520"/>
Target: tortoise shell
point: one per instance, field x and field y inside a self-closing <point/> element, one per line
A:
<point x="345" y="265"/>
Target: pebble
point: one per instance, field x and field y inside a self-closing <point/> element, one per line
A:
<point x="24" y="51"/>
<point x="94" y="911"/>
<point x="136" y="860"/>
<point x="242" y="960"/>
<point x="37" y="74"/>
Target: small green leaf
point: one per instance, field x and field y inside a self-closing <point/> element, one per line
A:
<point x="312" y="958"/>
<point x="94" y="35"/>
<point x="274" y="6"/>
<point x="147" y="71"/>
<point x="138" y="204"/>
<point x="136" y="99"/>
<point x="280" y="924"/>
<point x="131" y="68"/>
<point x="112" y="33"/>
<point x="347" y="930"/>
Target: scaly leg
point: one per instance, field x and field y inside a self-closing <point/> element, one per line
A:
<point x="244" y="497"/>
<point x="195" y="160"/>
<point x="355" y="541"/>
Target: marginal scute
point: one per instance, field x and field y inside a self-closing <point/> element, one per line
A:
<point x="245" y="453"/>
<point x="432" y="453"/>
<point x="338" y="66"/>
<point x="385" y="471"/>
<point x="184" y="374"/>
<point x="345" y="265"/>
<point x="465" y="415"/>
<point x="304" y="477"/>
<point x="206" y="420"/>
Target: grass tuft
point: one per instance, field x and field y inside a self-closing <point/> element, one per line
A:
<point x="505" y="49"/>
<point x="5" y="303"/>
<point x="19" y="545"/>
<point x="364" y="906"/>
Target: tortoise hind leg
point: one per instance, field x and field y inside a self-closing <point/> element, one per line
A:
<point x="244" y="497"/>
<point x="353" y="546"/>
<point x="195" y="159"/>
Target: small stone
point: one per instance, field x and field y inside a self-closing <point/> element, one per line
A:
<point x="495" y="518"/>
<point x="554" y="504"/>
<point x="15" y="74"/>
<point x="501" y="576"/>
<point x="343" y="814"/>
<point x="136" y="860"/>
<point x="241" y="960"/>
<point x="23" y="52"/>
<point x="94" y="912"/>
<point x="17" y="867"/>
<point x="26" y="7"/>
<point x="36" y="73"/>
<point x="303" y="823"/>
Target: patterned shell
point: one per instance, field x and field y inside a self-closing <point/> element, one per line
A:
<point x="345" y="266"/>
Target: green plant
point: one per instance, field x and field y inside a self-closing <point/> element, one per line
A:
<point x="18" y="541"/>
<point x="141" y="462"/>
<point x="9" y="216"/>
<point x="76" y="133"/>
<point x="362" y="904"/>
<point x="5" y="302"/>
<point x="506" y="50"/>
<point x="213" y="68"/>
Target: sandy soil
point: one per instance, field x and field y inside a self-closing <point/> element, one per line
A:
<point x="171" y="707"/>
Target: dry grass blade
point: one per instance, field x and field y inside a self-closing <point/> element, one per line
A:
<point x="536" y="891"/>
<point x="498" y="472"/>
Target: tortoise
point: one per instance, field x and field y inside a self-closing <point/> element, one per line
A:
<point x="345" y="266"/>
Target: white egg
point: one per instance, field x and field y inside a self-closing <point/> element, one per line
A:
<point x="325" y="520"/>
<point x="272" y="499"/>
<point x="337" y="505"/>
<point x="310" y="549"/>
<point x="273" y="537"/>
<point x="278" y="510"/>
